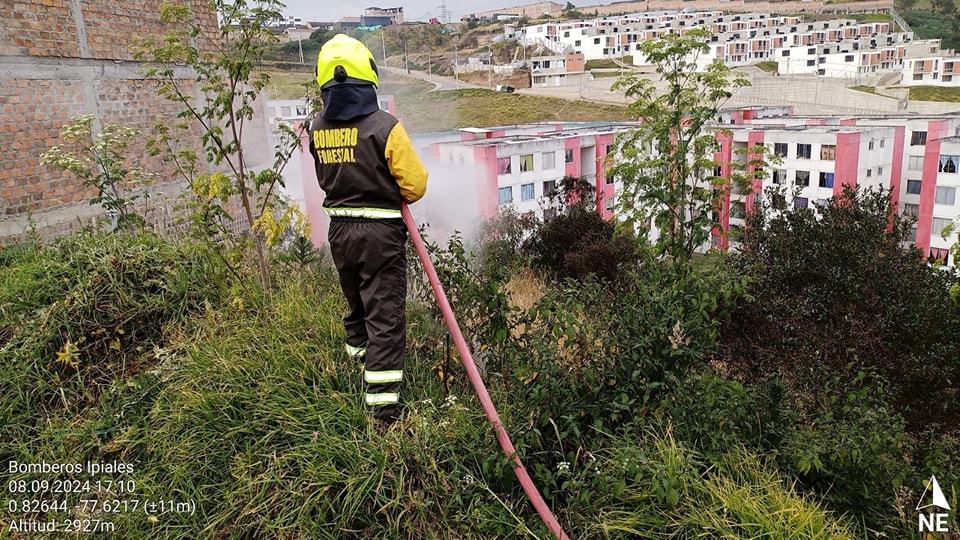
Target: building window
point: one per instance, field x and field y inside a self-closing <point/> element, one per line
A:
<point x="527" y="192"/>
<point x="505" y="195"/>
<point x="946" y="195"/>
<point x="803" y="151"/>
<point x="828" y="152"/>
<point x="918" y="76"/>
<point x="738" y="209"/>
<point x="939" y="224"/>
<point x="800" y="202"/>
<point x="848" y="58"/>
<point x="915" y="163"/>
<point x="549" y="161"/>
<point x="576" y="43"/>
<point x="609" y="149"/>
<point x="822" y="203"/>
<point x="881" y="143"/>
<point x="568" y="155"/>
<point x="918" y="138"/>
<point x="608" y="205"/>
<point x="549" y="188"/>
<point x="948" y="164"/>
<point x="526" y="162"/>
<point x="785" y="53"/>
<point x="802" y="178"/>
<point x="779" y="176"/>
<point x="503" y="165"/>
<point x="912" y="234"/>
<point x="780" y="149"/>
<point x="826" y="179"/>
<point x="869" y="173"/>
<point x="284" y="111"/>
<point x="870" y="145"/>
<point x="596" y="41"/>
<point x="879" y="171"/>
<point x="913" y="186"/>
<point x="912" y="210"/>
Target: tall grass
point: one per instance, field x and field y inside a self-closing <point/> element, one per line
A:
<point x="262" y="424"/>
<point x="246" y="408"/>
<point x="666" y="493"/>
<point x="81" y="318"/>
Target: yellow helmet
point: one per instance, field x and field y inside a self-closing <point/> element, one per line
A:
<point x="343" y="59"/>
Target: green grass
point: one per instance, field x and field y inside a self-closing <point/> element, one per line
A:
<point x="935" y="93"/>
<point x="290" y="83"/>
<point x="484" y="108"/>
<point x="606" y="74"/>
<point x="768" y="66"/>
<point x="606" y="63"/>
<point x="872" y="17"/>
<point x="867" y="89"/>
<point x="740" y="497"/>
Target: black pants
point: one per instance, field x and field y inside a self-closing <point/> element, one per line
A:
<point x="371" y="259"/>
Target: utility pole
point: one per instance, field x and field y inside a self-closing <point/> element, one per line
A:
<point x="456" y="62"/>
<point x="383" y="44"/>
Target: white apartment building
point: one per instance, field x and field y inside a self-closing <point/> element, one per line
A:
<point x="836" y="48"/>
<point x="937" y="70"/>
<point x="918" y="158"/>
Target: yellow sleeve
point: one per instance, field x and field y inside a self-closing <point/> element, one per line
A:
<point x="405" y="165"/>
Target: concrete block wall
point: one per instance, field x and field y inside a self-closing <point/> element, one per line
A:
<point x="58" y="59"/>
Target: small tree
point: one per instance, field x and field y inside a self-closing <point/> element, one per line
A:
<point x="226" y="68"/>
<point x="667" y="167"/>
<point x="99" y="160"/>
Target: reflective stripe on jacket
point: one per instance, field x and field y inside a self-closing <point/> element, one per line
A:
<point x="366" y="166"/>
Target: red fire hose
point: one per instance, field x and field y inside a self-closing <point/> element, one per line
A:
<point x="541" y="506"/>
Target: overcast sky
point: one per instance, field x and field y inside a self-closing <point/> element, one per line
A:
<point x="332" y="10"/>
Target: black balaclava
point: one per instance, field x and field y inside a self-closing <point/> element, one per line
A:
<point x="348" y="101"/>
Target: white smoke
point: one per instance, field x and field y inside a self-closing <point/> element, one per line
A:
<point x="451" y="202"/>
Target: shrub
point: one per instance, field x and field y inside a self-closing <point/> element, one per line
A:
<point x="711" y="414"/>
<point x="500" y="242"/>
<point x="577" y="242"/>
<point x="848" y="448"/>
<point x="836" y="294"/>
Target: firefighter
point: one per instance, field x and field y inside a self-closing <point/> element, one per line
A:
<point x="366" y="166"/>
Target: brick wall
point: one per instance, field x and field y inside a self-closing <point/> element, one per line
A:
<point x="58" y="59"/>
<point x="43" y="28"/>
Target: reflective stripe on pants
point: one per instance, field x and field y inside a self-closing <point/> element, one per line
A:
<point x="380" y="377"/>
<point x="385" y="398"/>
